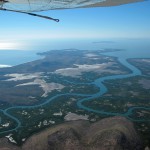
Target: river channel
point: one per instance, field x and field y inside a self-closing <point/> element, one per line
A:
<point x="102" y="90"/>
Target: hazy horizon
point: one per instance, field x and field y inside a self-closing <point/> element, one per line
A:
<point x="21" y="32"/>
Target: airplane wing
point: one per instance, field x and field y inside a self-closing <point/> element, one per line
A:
<point x="29" y="6"/>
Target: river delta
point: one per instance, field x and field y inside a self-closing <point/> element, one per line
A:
<point x="73" y="84"/>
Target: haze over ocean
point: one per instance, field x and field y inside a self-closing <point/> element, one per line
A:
<point x="23" y="32"/>
<point x="122" y="27"/>
<point x="138" y="48"/>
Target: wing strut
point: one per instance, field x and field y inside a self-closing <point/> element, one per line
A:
<point x="31" y="14"/>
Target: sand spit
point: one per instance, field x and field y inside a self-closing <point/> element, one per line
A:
<point x="72" y="117"/>
<point x="77" y="72"/>
<point x="47" y="87"/>
<point x="18" y="77"/>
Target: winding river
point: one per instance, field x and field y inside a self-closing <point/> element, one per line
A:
<point x="102" y="90"/>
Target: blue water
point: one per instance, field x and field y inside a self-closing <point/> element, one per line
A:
<point x="16" y="57"/>
<point x="133" y="48"/>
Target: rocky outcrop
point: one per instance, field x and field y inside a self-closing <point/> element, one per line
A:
<point x="111" y="133"/>
<point x="115" y="133"/>
<point x="5" y="145"/>
<point x="66" y="139"/>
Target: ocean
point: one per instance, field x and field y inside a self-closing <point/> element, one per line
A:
<point x="15" y="57"/>
<point x="131" y="48"/>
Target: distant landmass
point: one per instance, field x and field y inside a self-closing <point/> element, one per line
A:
<point x="104" y="42"/>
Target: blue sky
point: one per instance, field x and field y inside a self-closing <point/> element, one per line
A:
<point x="125" y="21"/>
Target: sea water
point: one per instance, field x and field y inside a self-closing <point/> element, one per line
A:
<point x="130" y="48"/>
<point x="15" y="57"/>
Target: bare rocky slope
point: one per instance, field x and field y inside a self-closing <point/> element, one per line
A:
<point x="114" y="133"/>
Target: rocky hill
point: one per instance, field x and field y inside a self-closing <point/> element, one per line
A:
<point x="115" y="133"/>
